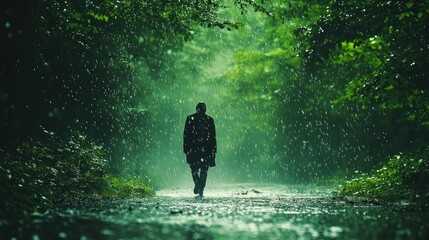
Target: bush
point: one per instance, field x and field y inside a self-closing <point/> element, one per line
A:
<point x="120" y="188"/>
<point x="405" y="177"/>
<point x="57" y="171"/>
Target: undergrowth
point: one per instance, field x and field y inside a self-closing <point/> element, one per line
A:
<point x="405" y="177"/>
<point x="41" y="174"/>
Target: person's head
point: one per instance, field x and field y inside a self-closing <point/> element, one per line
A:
<point x="201" y="107"/>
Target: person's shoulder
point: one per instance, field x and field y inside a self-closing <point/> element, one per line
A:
<point x="191" y="117"/>
<point x="210" y="118"/>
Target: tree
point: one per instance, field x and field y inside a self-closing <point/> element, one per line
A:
<point x="88" y="65"/>
<point x="381" y="48"/>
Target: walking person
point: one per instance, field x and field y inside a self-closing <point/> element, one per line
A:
<point x="199" y="145"/>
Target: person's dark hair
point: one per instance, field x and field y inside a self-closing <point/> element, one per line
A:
<point x="201" y="107"/>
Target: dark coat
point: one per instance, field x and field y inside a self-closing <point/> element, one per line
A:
<point x="199" y="139"/>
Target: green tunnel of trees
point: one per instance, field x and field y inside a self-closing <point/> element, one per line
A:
<point x="340" y="86"/>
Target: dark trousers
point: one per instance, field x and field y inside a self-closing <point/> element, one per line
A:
<point x="199" y="171"/>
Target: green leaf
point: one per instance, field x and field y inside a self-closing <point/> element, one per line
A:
<point x="389" y="88"/>
<point x="409" y="4"/>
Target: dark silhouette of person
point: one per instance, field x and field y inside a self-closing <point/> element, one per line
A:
<point x="199" y="145"/>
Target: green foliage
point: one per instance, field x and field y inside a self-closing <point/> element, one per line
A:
<point x="371" y="59"/>
<point x="346" y="79"/>
<point x="405" y="177"/>
<point x="290" y="104"/>
<point x="79" y="65"/>
<point x="380" y="48"/>
<point x="121" y="188"/>
<point x="258" y="6"/>
<point x="339" y="84"/>
<point x="57" y="171"/>
<point x="260" y="74"/>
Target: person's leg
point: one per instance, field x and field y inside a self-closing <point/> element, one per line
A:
<point x="195" y="176"/>
<point x="203" y="177"/>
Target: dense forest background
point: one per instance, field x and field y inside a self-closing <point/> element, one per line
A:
<point x="300" y="91"/>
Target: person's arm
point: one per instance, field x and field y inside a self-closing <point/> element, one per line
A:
<point x="213" y="139"/>
<point x="186" y="137"/>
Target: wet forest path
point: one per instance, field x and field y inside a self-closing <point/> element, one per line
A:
<point x="239" y="211"/>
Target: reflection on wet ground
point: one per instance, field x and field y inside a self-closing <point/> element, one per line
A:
<point x="241" y="211"/>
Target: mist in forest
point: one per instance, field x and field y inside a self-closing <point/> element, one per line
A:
<point x="298" y="94"/>
<point x="321" y="110"/>
<point x="197" y="74"/>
